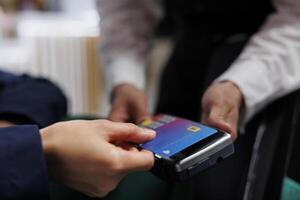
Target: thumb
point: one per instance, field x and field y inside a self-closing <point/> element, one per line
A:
<point x="126" y="132"/>
<point x="137" y="160"/>
<point x="217" y="117"/>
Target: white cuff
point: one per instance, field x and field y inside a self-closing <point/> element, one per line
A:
<point x="124" y="69"/>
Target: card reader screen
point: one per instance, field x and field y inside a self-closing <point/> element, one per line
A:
<point x="174" y="134"/>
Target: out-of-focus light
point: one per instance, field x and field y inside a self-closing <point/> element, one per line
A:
<point x="58" y="25"/>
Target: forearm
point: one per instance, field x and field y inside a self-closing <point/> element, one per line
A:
<point x="23" y="171"/>
<point x="126" y="28"/>
<point x="268" y="68"/>
<point x="27" y="100"/>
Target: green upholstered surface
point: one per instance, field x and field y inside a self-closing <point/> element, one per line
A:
<point x="290" y="190"/>
<point x="145" y="186"/>
<point x="141" y="185"/>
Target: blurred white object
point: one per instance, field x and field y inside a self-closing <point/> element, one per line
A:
<point x="35" y="24"/>
<point x="13" y="56"/>
<point x="63" y="49"/>
<point x="77" y="6"/>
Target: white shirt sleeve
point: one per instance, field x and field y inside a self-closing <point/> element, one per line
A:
<point x="269" y="66"/>
<point x="126" y="30"/>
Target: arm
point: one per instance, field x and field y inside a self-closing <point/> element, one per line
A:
<point x="94" y="156"/>
<point x="23" y="171"/>
<point x="27" y="100"/>
<point x="269" y="66"/>
<point x="89" y="156"/>
<point x="267" y="69"/>
<point x="126" y="28"/>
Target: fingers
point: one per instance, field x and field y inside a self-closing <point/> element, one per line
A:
<point x="118" y="113"/>
<point x="130" y="104"/>
<point x="127" y="132"/>
<point x="227" y="124"/>
<point x="141" y="113"/>
<point x="223" y="118"/>
<point x="139" y="109"/>
<point x="129" y="157"/>
<point x="233" y="119"/>
<point x="221" y="104"/>
<point x="124" y="112"/>
<point x="137" y="160"/>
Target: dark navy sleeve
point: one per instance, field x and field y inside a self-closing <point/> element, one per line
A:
<point x="27" y="100"/>
<point x="23" y="171"/>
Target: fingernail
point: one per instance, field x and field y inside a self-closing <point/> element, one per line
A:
<point x="149" y="131"/>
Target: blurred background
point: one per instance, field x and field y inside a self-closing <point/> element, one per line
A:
<point x="58" y="40"/>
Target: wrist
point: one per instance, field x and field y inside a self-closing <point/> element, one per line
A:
<point x="4" y="124"/>
<point x="236" y="92"/>
<point x="123" y="89"/>
<point x="116" y="72"/>
<point x="50" y="150"/>
<point x="123" y="86"/>
<point x="47" y="143"/>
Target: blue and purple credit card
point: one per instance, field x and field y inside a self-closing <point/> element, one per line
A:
<point x="174" y="134"/>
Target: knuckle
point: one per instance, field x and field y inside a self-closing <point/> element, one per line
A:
<point x="113" y="163"/>
<point x="103" y="122"/>
<point x="131" y="127"/>
<point x="116" y="166"/>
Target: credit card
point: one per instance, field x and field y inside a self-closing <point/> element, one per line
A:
<point x="174" y="134"/>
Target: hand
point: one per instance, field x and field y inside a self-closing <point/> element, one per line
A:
<point x="93" y="156"/>
<point x="129" y="104"/>
<point x="4" y="124"/>
<point x="221" y="105"/>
